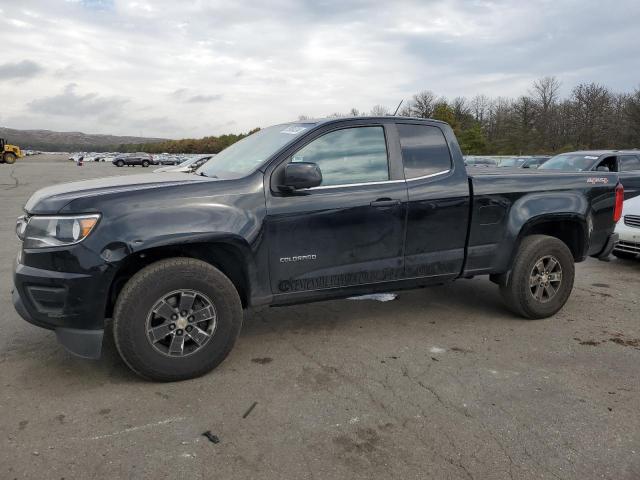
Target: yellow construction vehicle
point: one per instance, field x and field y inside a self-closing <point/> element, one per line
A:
<point x="9" y="153"/>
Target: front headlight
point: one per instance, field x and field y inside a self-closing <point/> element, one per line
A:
<point x="50" y="231"/>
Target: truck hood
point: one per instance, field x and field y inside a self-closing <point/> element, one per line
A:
<point x="51" y="200"/>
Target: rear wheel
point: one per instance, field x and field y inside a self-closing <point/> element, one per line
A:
<point x="176" y="319"/>
<point x="541" y="278"/>
<point x="120" y="163"/>
<point x="145" y="163"/>
<point x="9" y="158"/>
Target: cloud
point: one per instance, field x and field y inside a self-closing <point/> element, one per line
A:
<point x="204" y="98"/>
<point x="20" y="70"/>
<point x="163" y="68"/>
<point x="185" y="95"/>
<point x="70" y="104"/>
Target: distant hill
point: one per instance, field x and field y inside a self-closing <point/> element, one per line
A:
<point x="50" y="141"/>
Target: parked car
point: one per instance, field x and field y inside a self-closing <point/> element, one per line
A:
<point x="166" y="159"/>
<point x="131" y="159"/>
<point x="296" y="213"/>
<point x="480" y="162"/>
<point x="628" y="229"/>
<point x="187" y="166"/>
<point x="523" y="162"/>
<point x="626" y="163"/>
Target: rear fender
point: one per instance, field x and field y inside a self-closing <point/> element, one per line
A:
<point x="547" y="213"/>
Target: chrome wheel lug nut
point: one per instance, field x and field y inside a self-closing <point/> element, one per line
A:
<point x="183" y="313"/>
<point x="172" y="326"/>
<point x="191" y="319"/>
<point x="189" y="328"/>
<point x="179" y="332"/>
<point x="174" y="317"/>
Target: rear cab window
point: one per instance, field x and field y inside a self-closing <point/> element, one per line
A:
<point x="629" y="163"/>
<point x="424" y="150"/>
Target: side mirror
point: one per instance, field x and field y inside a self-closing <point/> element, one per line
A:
<point x="299" y="175"/>
<point x="602" y="168"/>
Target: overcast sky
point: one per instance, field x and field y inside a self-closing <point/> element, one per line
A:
<point x="178" y="68"/>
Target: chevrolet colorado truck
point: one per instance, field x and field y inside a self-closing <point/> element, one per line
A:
<point x="295" y="213"/>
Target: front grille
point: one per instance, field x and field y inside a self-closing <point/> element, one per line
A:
<point x="629" y="247"/>
<point x="632" y="220"/>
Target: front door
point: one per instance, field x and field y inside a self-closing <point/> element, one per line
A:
<point x="349" y="230"/>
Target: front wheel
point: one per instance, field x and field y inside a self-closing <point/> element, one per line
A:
<point x="176" y="319"/>
<point x="10" y="158"/>
<point x="120" y="163"/>
<point x="145" y="163"/>
<point x="541" y="278"/>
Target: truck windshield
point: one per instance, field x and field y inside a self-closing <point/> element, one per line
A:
<point x="572" y="162"/>
<point x="243" y="157"/>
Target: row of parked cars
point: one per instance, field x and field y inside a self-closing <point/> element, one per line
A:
<point x="500" y="161"/>
<point x="181" y="163"/>
<point x="132" y="159"/>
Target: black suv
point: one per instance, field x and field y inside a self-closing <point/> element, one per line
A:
<point x="131" y="159"/>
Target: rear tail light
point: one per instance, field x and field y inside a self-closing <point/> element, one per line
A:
<point x="617" y="211"/>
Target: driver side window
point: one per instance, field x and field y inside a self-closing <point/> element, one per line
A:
<point x="610" y="163"/>
<point x="348" y="156"/>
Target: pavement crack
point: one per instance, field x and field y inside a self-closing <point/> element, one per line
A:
<point x="16" y="181"/>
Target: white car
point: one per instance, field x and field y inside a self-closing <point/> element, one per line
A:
<point x="628" y="229"/>
<point x="187" y="166"/>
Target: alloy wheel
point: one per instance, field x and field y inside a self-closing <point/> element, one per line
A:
<point x="181" y="323"/>
<point x="545" y="278"/>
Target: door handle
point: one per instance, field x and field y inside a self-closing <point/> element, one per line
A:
<point x="385" y="202"/>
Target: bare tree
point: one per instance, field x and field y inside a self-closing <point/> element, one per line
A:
<point x="546" y="91"/>
<point x="479" y="107"/>
<point x="422" y="104"/>
<point x="379" y="111"/>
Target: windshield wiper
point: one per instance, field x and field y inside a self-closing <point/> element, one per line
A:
<point x="209" y="176"/>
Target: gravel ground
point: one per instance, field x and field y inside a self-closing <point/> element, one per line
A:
<point x="438" y="383"/>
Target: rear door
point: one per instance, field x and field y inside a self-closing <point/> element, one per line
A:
<point x="438" y="208"/>
<point x="629" y="174"/>
<point x="348" y="231"/>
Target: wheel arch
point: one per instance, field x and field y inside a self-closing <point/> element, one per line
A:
<point x="571" y="229"/>
<point x="228" y="257"/>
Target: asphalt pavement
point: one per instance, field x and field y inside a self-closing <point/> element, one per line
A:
<point x="440" y="383"/>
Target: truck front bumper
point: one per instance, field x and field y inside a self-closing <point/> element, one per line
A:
<point x="71" y="304"/>
<point x="83" y="343"/>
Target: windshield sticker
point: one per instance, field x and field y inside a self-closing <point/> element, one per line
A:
<point x="590" y="157"/>
<point x="293" y="130"/>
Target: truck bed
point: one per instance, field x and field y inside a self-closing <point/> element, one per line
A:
<point x="506" y="202"/>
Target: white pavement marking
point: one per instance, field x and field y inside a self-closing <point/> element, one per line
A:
<point x="140" y="427"/>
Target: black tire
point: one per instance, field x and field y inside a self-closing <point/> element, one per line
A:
<point x="140" y="295"/>
<point x="517" y="291"/>
<point x="120" y="163"/>
<point x="145" y="163"/>
<point x="624" y="255"/>
<point x="9" y="158"/>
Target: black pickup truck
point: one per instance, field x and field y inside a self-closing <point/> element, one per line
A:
<point x="295" y="213"/>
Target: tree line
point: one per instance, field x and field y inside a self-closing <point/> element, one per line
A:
<point x="211" y="144"/>
<point x="539" y="121"/>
